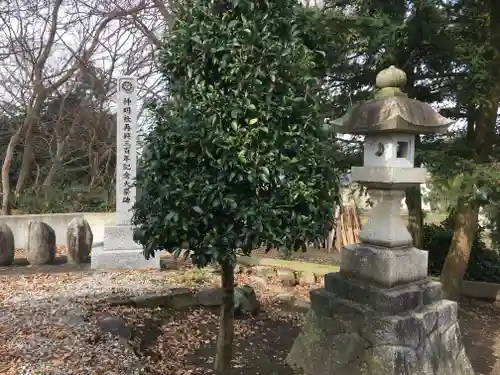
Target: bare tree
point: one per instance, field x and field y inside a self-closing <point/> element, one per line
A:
<point x="44" y="44"/>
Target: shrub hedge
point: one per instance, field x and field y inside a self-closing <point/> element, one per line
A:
<point x="484" y="263"/>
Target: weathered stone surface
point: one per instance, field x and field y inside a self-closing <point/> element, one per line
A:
<point x="79" y="240"/>
<point x="76" y="317"/>
<point x="177" y="298"/>
<point x="287" y="298"/>
<point x="6" y="245"/>
<point x="432" y="291"/>
<point x="306" y="278"/>
<point x="245" y="300"/>
<point x="240" y="268"/>
<point x="326" y="345"/>
<point x="324" y="303"/>
<point x="287" y="277"/>
<point x="345" y="337"/>
<point x="385" y="267"/>
<point x="260" y="281"/>
<point x="120" y="251"/>
<point x="265" y="272"/>
<point x="121" y="259"/>
<point x="392" y="360"/>
<point x="41" y="244"/>
<point x="209" y="297"/>
<point x="384" y="300"/>
<point x="411" y="329"/>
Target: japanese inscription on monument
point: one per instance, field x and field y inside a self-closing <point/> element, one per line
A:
<point x="126" y="148"/>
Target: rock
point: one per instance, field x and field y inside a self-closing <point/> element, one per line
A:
<point x="41" y="244"/>
<point x="209" y="297"/>
<point x="79" y="239"/>
<point x="120" y="301"/>
<point x="287" y="298"/>
<point x="344" y="336"/>
<point x="266" y="272"/>
<point x="6" y="245"/>
<point x="248" y="270"/>
<point x="76" y="317"/>
<point x="176" y="299"/>
<point x="287" y="277"/>
<point x="245" y="301"/>
<point x="301" y="303"/>
<point x="307" y="278"/>
<point x="260" y="281"/>
<point x="240" y="268"/>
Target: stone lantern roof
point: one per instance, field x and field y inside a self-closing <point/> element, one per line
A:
<point x="391" y="111"/>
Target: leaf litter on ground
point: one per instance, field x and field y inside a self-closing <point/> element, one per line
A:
<point x="49" y="324"/>
<point x="49" y="321"/>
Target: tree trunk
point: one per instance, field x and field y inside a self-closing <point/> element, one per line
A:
<point x="481" y="142"/>
<point x="29" y="124"/>
<point x="9" y="156"/>
<point x="226" y="328"/>
<point x="26" y="165"/>
<point x="457" y="260"/>
<point x="60" y="148"/>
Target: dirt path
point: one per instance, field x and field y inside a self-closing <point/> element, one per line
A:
<point x="480" y="324"/>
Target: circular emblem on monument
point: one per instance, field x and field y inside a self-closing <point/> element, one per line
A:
<point x="127" y="86"/>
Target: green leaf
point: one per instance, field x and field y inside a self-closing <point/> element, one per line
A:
<point x="244" y="85"/>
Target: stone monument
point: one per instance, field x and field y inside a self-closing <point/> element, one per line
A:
<point x="380" y="315"/>
<point x="119" y="249"/>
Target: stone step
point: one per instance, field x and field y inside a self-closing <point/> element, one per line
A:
<point x="384" y="300"/>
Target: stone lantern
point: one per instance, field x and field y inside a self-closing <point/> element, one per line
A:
<point x="380" y="315"/>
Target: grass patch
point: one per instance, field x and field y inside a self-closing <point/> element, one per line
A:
<point x="295" y="265"/>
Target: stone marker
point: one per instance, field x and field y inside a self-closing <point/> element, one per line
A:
<point x="6" y="245"/>
<point x="380" y="315"/>
<point x="119" y="249"/>
<point x="41" y="244"/>
<point x="79" y="240"/>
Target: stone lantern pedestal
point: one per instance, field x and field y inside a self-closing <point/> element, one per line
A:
<point x="381" y="315"/>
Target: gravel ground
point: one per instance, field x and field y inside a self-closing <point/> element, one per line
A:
<point x="46" y="327"/>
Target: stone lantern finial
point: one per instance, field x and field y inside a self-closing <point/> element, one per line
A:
<point x="390" y="81"/>
<point x="391" y="77"/>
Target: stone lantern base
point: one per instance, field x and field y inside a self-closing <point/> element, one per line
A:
<point x="359" y="327"/>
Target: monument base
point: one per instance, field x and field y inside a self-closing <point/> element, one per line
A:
<point x="119" y="251"/>
<point x="382" y="266"/>
<point x="345" y="337"/>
